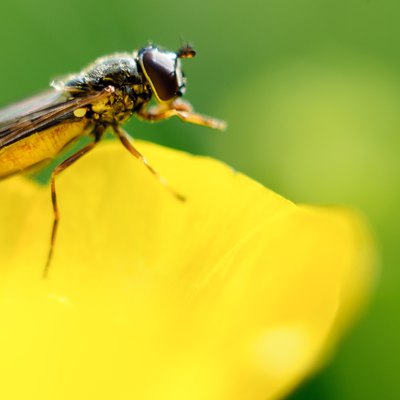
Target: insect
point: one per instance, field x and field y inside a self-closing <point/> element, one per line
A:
<point x="103" y="96"/>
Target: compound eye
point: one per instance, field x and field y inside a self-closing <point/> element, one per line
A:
<point x="159" y="68"/>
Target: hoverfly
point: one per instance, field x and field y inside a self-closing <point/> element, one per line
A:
<point x="103" y="96"/>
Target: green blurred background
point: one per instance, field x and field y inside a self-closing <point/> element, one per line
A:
<point x="311" y="91"/>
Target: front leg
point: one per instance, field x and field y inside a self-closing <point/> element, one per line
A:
<point x="182" y="110"/>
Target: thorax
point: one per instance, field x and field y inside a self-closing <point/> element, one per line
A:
<point x="121" y="71"/>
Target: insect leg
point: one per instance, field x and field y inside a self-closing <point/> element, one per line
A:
<point x="202" y="120"/>
<point x="61" y="167"/>
<point x="182" y="110"/>
<point x="126" y="140"/>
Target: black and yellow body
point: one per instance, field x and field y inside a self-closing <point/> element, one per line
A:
<point x="104" y="95"/>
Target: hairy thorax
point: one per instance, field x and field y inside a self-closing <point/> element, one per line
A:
<point x="117" y="108"/>
<point x="129" y="91"/>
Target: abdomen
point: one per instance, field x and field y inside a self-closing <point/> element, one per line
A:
<point x="40" y="146"/>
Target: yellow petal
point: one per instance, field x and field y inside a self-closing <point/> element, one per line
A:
<point x="236" y="293"/>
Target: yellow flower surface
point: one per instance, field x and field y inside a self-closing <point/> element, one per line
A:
<point x="235" y="294"/>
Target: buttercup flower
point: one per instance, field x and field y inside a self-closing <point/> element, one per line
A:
<point x="235" y="294"/>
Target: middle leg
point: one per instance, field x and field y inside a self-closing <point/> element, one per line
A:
<point x="127" y="143"/>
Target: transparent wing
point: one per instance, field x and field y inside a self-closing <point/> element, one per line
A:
<point x="16" y="111"/>
<point x="40" y="112"/>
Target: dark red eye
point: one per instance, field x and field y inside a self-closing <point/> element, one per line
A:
<point x="160" y="69"/>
